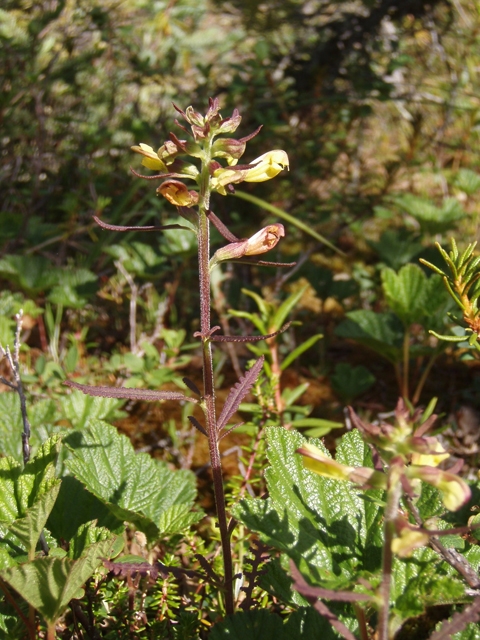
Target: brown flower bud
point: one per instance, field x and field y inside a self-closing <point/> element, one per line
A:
<point x="259" y="243"/>
<point x="177" y="193"/>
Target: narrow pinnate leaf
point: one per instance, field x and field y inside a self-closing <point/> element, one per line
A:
<point x="313" y="594"/>
<point x="192" y="386"/>
<point x="115" y="227"/>
<point x="218" y="224"/>
<point x="124" y="568"/>
<point x="238" y="393"/>
<point x="326" y="594"/>
<point x="249" y="338"/>
<point x="266" y="263"/>
<point x="197" y="425"/>
<point x="235" y="426"/>
<point x="128" y="394"/>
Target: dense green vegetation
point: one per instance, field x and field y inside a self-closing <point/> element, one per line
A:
<point x="376" y="104"/>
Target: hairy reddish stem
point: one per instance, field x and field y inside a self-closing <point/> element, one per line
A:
<point x="394" y="493"/>
<point x="209" y="387"/>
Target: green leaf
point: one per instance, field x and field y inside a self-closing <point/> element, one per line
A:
<point x="262" y="624"/>
<point x="381" y="332"/>
<point x="429" y="503"/>
<point x="254" y="625"/>
<point x="20" y="489"/>
<point x="253" y="317"/>
<point x="75" y="507"/>
<point x="12" y="626"/>
<point x="350" y="382"/>
<point x="432" y="219"/>
<point x="467" y="181"/>
<point x="29" y="528"/>
<point x="326" y="527"/>
<point x="178" y="517"/>
<point x="396" y="247"/>
<point x="292" y="356"/>
<point x="264" y="307"/>
<point x="276" y="580"/>
<point x="406" y="293"/>
<point x="73" y="287"/>
<point x="471" y="632"/>
<point x="285" y="309"/>
<point x="290" y="396"/>
<point x="138" y="258"/>
<point x="11" y="425"/>
<point x="135" y="487"/>
<point x="307" y="623"/>
<point x="317" y="427"/>
<point x="421" y="581"/>
<point x="48" y="584"/>
<point x="89" y="534"/>
<point x="78" y="408"/>
<point x="31" y="273"/>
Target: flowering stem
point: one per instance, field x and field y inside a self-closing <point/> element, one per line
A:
<point x="209" y="384"/>
<point x="406" y="361"/>
<point x="394" y="493"/>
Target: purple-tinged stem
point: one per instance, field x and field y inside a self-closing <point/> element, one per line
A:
<point x="394" y="493"/>
<point x="209" y="384"/>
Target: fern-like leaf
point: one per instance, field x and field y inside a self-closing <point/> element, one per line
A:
<point x="128" y="394"/>
<point x="238" y="393"/>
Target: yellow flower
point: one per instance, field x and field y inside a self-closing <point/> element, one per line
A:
<point x="323" y="465"/>
<point x="408" y="538"/>
<point x="177" y="193"/>
<point x="455" y="492"/>
<point x="435" y="455"/>
<point x="151" y="159"/>
<point x="267" y="166"/>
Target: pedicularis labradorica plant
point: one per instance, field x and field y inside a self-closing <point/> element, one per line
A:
<point x="199" y="160"/>
<point x="360" y="531"/>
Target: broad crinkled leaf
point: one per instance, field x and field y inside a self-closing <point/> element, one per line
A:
<point x="31" y="273"/>
<point x="381" y="332"/>
<point x="276" y="580"/>
<point x="89" y="534"/>
<point x="327" y="527"/>
<point x="21" y="488"/>
<point x="307" y="623"/>
<point x="135" y="487"/>
<point x="11" y="425"/>
<point x="75" y="507"/>
<point x="78" y="408"/>
<point x="254" y="625"/>
<point x="432" y="219"/>
<point x="262" y="624"/>
<point x="48" y="584"/>
<point x="333" y="531"/>
<point x="406" y="293"/>
<point x="420" y="581"/>
<point x="177" y="517"/>
<point x="29" y="528"/>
